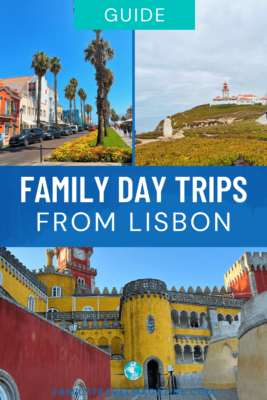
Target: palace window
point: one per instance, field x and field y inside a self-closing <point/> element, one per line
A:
<point x="56" y="291"/>
<point x="79" y="391"/>
<point x="150" y="324"/>
<point x="31" y="303"/>
<point x="88" y="308"/>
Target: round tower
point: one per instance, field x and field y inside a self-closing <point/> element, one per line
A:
<point x="146" y="318"/>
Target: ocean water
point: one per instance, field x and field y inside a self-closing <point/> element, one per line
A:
<point x="146" y="124"/>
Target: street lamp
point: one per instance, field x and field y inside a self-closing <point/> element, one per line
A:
<point x="21" y="112"/>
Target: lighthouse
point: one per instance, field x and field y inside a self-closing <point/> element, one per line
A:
<point x="225" y="91"/>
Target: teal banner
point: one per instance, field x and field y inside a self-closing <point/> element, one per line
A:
<point x="135" y="15"/>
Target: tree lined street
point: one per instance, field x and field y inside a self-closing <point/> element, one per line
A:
<point x="30" y="155"/>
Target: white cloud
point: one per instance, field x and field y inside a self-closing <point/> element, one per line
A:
<point x="177" y="70"/>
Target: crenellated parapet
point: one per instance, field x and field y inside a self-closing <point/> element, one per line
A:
<point x="144" y="286"/>
<point x="215" y="291"/>
<point x="17" y="268"/>
<point x="247" y="262"/>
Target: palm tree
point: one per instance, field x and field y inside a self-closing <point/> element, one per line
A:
<point x="69" y="94"/>
<point x="87" y="110"/>
<point x="84" y="98"/>
<point x="97" y="53"/>
<point x="80" y="94"/>
<point x="109" y="81"/>
<point x="55" y="68"/>
<point x="91" y="109"/>
<point x="41" y="64"/>
<point x="75" y="84"/>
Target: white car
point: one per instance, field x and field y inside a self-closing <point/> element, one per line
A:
<point x="74" y="128"/>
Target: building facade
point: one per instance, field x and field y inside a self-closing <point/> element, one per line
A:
<point x="241" y="99"/>
<point x="60" y="113"/>
<point x="144" y="321"/>
<point x="9" y="112"/>
<point x="76" y="118"/>
<point x="28" y="85"/>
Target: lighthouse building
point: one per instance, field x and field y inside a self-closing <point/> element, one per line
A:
<point x="241" y="99"/>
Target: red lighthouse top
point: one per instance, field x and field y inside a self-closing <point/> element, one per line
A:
<point x="225" y="86"/>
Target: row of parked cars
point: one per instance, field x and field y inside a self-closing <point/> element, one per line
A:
<point x="32" y="135"/>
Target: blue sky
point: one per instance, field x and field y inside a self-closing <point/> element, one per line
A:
<point x="175" y="266"/>
<point x="54" y="34"/>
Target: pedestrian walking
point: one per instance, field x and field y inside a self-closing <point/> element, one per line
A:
<point x="125" y="132"/>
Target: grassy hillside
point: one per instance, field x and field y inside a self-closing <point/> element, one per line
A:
<point x="204" y="113"/>
<point x="211" y="145"/>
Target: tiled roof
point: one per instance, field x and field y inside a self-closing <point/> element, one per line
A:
<point x="18" y="79"/>
<point x="244" y="98"/>
<point x="263" y="98"/>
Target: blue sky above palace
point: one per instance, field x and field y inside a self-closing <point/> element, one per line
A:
<point x="175" y="266"/>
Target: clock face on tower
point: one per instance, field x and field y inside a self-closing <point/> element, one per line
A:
<point x="79" y="254"/>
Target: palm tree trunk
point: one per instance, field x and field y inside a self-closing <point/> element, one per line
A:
<point x="70" y="113"/>
<point x="55" y="86"/>
<point x="82" y="110"/>
<point x="39" y="100"/>
<point x="106" y="113"/>
<point x="75" y="110"/>
<point x="100" y="78"/>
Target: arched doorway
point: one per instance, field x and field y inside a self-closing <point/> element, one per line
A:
<point x="152" y="373"/>
<point x="160" y="371"/>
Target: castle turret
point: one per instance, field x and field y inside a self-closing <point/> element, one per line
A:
<point x="77" y="259"/>
<point x="146" y="318"/>
<point x="50" y="255"/>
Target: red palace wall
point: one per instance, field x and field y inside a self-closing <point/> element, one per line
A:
<point x="40" y="356"/>
<point x="242" y="288"/>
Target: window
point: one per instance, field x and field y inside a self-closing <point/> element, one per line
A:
<point x="56" y="291"/>
<point x="40" y="112"/>
<point x="29" y="111"/>
<point x="1" y="278"/>
<point x="32" y="111"/>
<point x="44" y="113"/>
<point x="24" y="109"/>
<point x="79" y="391"/>
<point x="118" y="308"/>
<point x="150" y="324"/>
<point x="88" y="308"/>
<point x="8" y="387"/>
<point x="13" y="130"/>
<point x="52" y="310"/>
<point x="31" y="303"/>
<point x="46" y="92"/>
<point x="14" y="107"/>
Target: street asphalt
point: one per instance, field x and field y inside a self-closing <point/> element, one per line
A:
<point x="30" y="155"/>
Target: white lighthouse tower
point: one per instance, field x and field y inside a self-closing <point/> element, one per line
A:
<point x="225" y="92"/>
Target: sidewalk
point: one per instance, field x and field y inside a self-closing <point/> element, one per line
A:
<point x="128" y="141"/>
<point x="262" y="120"/>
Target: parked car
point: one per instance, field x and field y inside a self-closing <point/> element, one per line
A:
<point x="2" y="139"/>
<point x="86" y="126"/>
<point x="74" y="128"/>
<point x="26" y="137"/>
<point x="81" y="128"/>
<point x="91" y="128"/>
<point x="66" y="131"/>
<point x="52" y="134"/>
